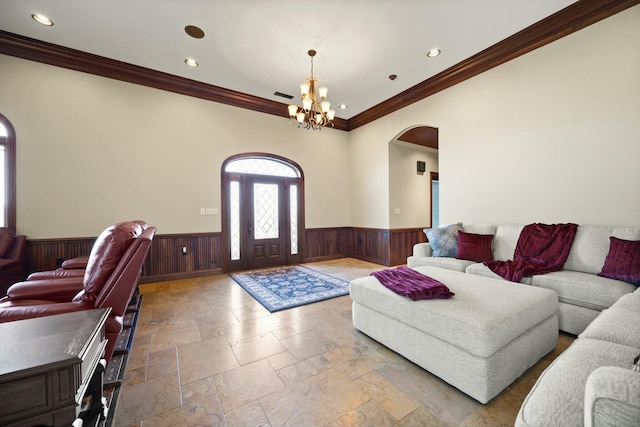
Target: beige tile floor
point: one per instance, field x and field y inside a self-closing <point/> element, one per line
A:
<point x="205" y="353"/>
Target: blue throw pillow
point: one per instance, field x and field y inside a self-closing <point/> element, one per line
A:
<point x="444" y="240"/>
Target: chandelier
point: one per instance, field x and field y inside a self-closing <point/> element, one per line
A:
<point x="316" y="111"/>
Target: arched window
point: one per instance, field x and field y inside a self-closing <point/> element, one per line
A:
<point x="7" y="174"/>
<point x="263" y="221"/>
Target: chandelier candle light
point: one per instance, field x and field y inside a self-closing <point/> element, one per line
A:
<point x="316" y="111"/>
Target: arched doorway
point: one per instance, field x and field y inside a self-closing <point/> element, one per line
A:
<point x="413" y="177"/>
<point x="262" y="211"/>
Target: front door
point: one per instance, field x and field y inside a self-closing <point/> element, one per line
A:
<point x="263" y="212"/>
<point x="266" y="240"/>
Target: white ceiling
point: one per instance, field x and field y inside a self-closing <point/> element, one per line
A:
<point x="260" y="46"/>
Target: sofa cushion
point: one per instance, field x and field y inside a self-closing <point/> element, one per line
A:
<point x="626" y="233"/>
<point x="591" y="246"/>
<point x="480" y="228"/>
<point x="479" y="269"/>
<point x="622" y="261"/>
<point x="629" y="302"/>
<point x="582" y="289"/>
<point x="474" y="247"/>
<point x="7" y="236"/>
<point x="589" y="249"/>
<point x="557" y="398"/>
<point x="444" y="240"/>
<point x="441" y="262"/>
<point x="505" y="241"/>
<point x="615" y="325"/>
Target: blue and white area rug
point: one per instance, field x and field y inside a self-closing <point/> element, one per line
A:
<point x="290" y="286"/>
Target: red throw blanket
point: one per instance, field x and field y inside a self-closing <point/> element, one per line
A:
<point x="541" y="248"/>
<point x="410" y="283"/>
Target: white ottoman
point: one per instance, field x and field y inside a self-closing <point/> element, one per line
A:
<point x="479" y="341"/>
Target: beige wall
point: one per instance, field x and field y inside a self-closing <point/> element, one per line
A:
<point x="552" y="136"/>
<point x="410" y="191"/>
<point x="92" y="151"/>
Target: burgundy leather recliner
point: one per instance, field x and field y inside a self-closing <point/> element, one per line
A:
<point x="109" y="280"/>
<point x="73" y="267"/>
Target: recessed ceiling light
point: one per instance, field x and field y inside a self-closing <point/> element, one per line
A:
<point x="433" y="53"/>
<point x="42" y="19"/>
<point x="343" y="106"/>
<point x="191" y="62"/>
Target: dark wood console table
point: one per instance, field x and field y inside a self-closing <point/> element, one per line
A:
<point x="51" y="370"/>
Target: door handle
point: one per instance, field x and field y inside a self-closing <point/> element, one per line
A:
<point x="249" y="227"/>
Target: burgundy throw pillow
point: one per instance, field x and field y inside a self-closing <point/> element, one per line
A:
<point x="622" y="261"/>
<point x="6" y="242"/>
<point x="475" y="247"/>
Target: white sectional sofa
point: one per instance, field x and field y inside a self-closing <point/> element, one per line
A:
<point x="593" y="383"/>
<point x="582" y="294"/>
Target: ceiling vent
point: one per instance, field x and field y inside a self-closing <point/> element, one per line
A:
<point x="284" y="95"/>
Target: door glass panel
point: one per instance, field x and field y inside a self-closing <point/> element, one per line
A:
<point x="234" y="202"/>
<point x="3" y="200"/>
<point x="3" y="172"/>
<point x="261" y="167"/>
<point x="435" y="204"/>
<point x="265" y="211"/>
<point x="293" y="217"/>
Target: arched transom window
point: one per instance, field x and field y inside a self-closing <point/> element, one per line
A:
<point x="262" y="166"/>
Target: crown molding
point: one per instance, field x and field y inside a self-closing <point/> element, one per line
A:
<point x="568" y="20"/>
<point x="60" y="56"/>
<point x="562" y="23"/>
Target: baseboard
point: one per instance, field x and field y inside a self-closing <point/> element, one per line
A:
<point x="325" y="258"/>
<point x="180" y="276"/>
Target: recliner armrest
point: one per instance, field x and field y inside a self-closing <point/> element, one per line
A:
<point x="50" y="290"/>
<point x="75" y="263"/>
<point x="28" y="309"/>
<point x="612" y="398"/>
<point x="60" y="273"/>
